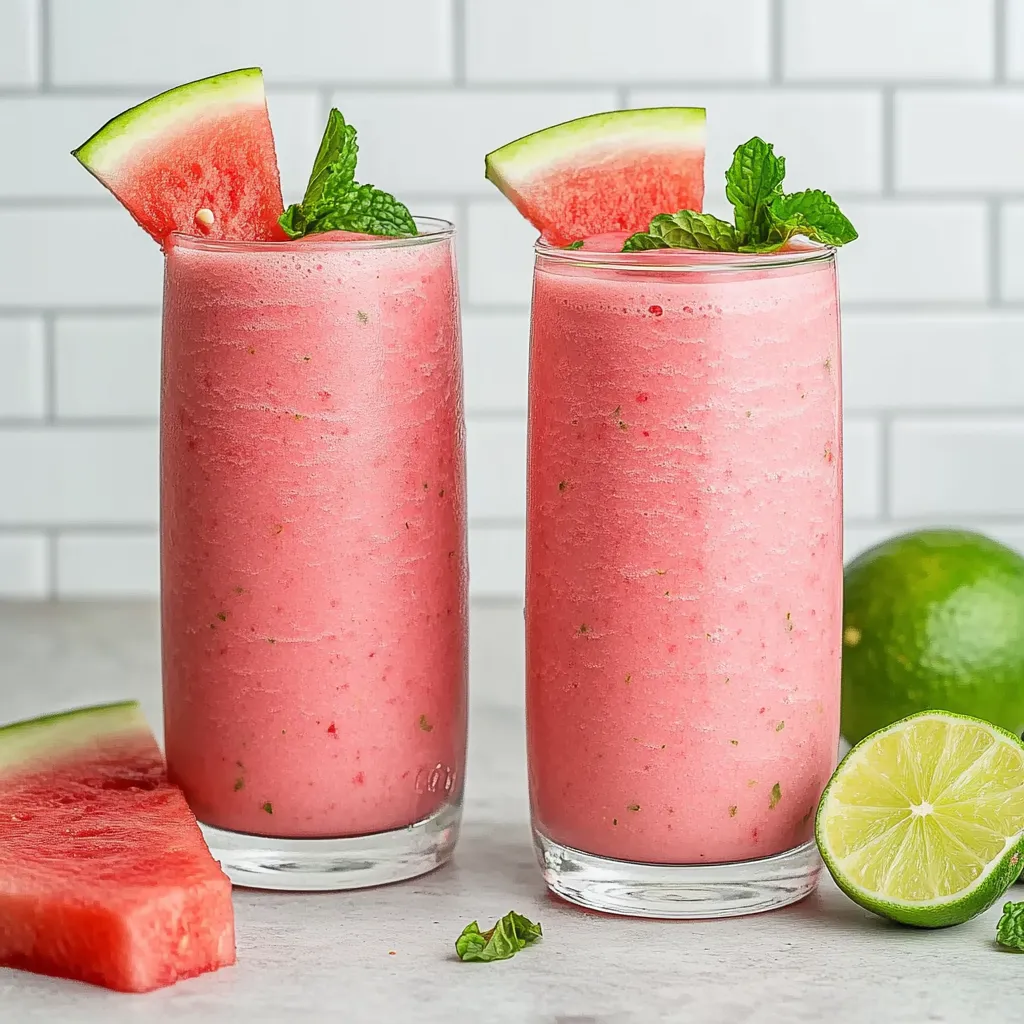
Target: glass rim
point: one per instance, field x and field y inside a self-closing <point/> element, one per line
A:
<point x="434" y="229"/>
<point x="685" y="260"/>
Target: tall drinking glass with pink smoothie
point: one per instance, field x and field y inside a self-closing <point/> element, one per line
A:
<point x="313" y="498"/>
<point x="313" y="551"/>
<point x="684" y="564"/>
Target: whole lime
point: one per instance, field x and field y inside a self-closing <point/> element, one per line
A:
<point x="933" y="620"/>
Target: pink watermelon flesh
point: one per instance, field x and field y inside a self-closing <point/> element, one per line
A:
<point x="104" y="874"/>
<point x="620" y="194"/>
<point x="205" y="146"/>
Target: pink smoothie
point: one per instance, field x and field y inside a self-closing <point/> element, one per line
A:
<point x="684" y="555"/>
<point x="313" y="533"/>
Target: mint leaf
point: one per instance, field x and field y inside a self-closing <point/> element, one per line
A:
<point x="813" y="214"/>
<point x="689" y="230"/>
<point x="752" y="181"/>
<point x="641" y="241"/>
<point x="363" y="208"/>
<point x="685" y="230"/>
<point x="293" y="221"/>
<point x="334" y="202"/>
<point x="1010" y="930"/>
<point x="334" y="168"/>
<point x="578" y="244"/>
<point x="816" y="212"/>
<point x="511" y="934"/>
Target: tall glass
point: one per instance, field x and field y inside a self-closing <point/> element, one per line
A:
<point x="313" y="549"/>
<point x="684" y="575"/>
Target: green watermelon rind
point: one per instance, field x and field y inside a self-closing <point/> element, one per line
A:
<point x="105" y="151"/>
<point x="562" y="143"/>
<point x="53" y="737"/>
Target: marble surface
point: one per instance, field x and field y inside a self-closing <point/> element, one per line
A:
<point x="386" y="955"/>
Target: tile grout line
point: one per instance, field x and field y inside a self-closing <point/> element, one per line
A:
<point x="776" y="52"/>
<point x="50" y="369"/>
<point x="888" y="141"/>
<point x="995" y="246"/>
<point x="104" y="423"/>
<point x="458" y="55"/>
<point x="13" y="309"/>
<point x="52" y="573"/>
<point x="884" y="467"/>
<point x="45" y="69"/>
<point x="999" y="42"/>
<point x="114" y="90"/>
<point x="324" y="94"/>
<point x="102" y="529"/>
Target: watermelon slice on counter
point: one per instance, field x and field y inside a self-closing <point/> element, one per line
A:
<point x="606" y="172"/>
<point x="198" y="159"/>
<point x="104" y="874"/>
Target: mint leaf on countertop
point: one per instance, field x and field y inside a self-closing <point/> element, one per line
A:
<point x="766" y="217"/>
<point x="333" y="201"/>
<point x="1010" y="930"/>
<point x="511" y="934"/>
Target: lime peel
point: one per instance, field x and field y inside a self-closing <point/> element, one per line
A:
<point x="923" y="822"/>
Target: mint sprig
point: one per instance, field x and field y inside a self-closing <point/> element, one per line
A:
<point x="511" y="934"/>
<point x="334" y="201"/>
<point x="766" y="218"/>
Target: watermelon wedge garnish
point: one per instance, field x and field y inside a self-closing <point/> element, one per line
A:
<point x="198" y="159"/>
<point x="104" y="874"/>
<point x="606" y="172"/>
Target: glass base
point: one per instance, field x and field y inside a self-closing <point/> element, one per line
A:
<point x="678" y="891"/>
<point x="318" y="865"/>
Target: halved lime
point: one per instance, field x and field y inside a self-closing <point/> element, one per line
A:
<point x="923" y="822"/>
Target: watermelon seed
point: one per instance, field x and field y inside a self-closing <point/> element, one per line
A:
<point x="268" y="807"/>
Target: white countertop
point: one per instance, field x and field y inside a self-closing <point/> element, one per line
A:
<point x="326" y="957"/>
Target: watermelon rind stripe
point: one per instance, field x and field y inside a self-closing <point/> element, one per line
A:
<point x="51" y="737"/>
<point x="644" y="128"/>
<point x="104" y="152"/>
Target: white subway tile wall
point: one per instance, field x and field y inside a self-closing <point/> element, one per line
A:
<point x="910" y="111"/>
